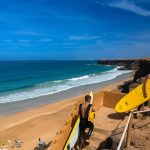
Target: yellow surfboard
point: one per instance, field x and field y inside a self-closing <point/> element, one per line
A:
<point x="133" y="99"/>
<point x="73" y="137"/>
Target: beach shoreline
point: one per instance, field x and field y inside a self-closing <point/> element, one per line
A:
<point x="46" y="119"/>
<point x="27" y="104"/>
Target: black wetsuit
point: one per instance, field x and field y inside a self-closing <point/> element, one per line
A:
<point x="84" y="123"/>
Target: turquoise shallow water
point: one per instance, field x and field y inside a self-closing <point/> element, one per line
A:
<point x="26" y="79"/>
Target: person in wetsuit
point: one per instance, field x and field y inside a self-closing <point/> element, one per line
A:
<point x="84" y="111"/>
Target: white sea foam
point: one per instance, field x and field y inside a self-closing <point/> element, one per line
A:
<point x="58" y="81"/>
<point x="79" y="78"/>
<point x="61" y="85"/>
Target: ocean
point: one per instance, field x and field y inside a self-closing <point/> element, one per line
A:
<point x="20" y="80"/>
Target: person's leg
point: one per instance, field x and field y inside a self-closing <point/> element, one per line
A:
<point x="81" y="135"/>
<point x="91" y="127"/>
<point x="81" y="138"/>
<point x="139" y="107"/>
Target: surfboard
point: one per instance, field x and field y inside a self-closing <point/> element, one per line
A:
<point x="91" y="94"/>
<point x="133" y="99"/>
<point x="73" y="137"/>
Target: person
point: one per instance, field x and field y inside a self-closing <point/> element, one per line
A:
<point x="144" y="92"/>
<point x="84" y="110"/>
<point x="41" y="145"/>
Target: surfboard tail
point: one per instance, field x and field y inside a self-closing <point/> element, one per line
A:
<point x="91" y="94"/>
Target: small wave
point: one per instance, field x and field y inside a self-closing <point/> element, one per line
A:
<point x="79" y="78"/>
<point x="58" y="81"/>
<point x="18" y="96"/>
<point x="115" y="69"/>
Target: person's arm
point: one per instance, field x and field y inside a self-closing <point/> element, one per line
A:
<point x="92" y="109"/>
<point x="144" y="87"/>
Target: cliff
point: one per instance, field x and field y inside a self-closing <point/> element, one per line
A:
<point x="141" y="67"/>
<point x="144" y="69"/>
<point x="132" y="64"/>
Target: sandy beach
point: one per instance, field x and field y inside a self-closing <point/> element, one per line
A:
<point x="32" y="119"/>
<point x="23" y="105"/>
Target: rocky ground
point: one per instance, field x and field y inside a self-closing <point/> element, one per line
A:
<point x="140" y="134"/>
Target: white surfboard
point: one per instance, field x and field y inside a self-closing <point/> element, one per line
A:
<point x="91" y="94"/>
<point x="73" y="137"/>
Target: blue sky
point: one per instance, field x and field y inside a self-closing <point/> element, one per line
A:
<point x="74" y="29"/>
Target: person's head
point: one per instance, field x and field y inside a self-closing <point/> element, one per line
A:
<point x="88" y="98"/>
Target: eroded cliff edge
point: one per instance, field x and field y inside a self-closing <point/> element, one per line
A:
<point x="140" y="66"/>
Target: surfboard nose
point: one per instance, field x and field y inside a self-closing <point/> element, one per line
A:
<point x="119" y="108"/>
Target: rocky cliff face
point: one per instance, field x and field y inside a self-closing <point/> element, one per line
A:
<point x="144" y="69"/>
<point x="141" y="67"/>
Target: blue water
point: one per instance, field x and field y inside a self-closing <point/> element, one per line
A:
<point x="26" y="79"/>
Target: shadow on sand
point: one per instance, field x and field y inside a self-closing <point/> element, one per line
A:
<point x="48" y="144"/>
<point x="107" y="144"/>
<point x="117" y="116"/>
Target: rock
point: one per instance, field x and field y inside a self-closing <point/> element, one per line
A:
<point x="135" y="126"/>
<point x="142" y="66"/>
<point x="132" y="64"/>
<point x="133" y="85"/>
<point x="144" y="69"/>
